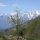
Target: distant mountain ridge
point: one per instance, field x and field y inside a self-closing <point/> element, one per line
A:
<point x="26" y="16"/>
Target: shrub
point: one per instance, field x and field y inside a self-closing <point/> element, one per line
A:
<point x="0" y="35"/>
<point x="14" y="33"/>
<point x="21" y="31"/>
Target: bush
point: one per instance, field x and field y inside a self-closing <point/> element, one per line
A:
<point x="0" y="35"/>
<point x="14" y="33"/>
<point x="21" y="31"/>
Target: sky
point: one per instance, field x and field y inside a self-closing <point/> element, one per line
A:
<point x="8" y="6"/>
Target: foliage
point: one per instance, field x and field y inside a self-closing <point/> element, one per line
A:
<point x="0" y="35"/>
<point x="30" y="38"/>
<point x="21" y="31"/>
<point x="32" y="26"/>
<point x="14" y="33"/>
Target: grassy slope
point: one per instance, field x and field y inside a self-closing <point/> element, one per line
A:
<point x="1" y="38"/>
<point x="32" y="29"/>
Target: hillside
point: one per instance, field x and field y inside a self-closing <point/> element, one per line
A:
<point x="34" y="27"/>
<point x="30" y="30"/>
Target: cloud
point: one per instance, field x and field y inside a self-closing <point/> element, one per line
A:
<point x="14" y="4"/>
<point x="1" y="5"/>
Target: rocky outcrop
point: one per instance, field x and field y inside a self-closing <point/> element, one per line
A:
<point x="10" y="37"/>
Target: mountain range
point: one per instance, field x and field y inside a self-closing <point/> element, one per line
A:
<point x="26" y="16"/>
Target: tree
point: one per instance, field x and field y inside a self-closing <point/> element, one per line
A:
<point x="16" y="20"/>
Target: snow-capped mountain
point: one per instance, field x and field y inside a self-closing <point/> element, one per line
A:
<point x="26" y="16"/>
<point x="30" y="15"/>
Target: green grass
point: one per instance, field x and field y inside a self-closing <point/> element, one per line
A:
<point x="1" y="38"/>
<point x="32" y="38"/>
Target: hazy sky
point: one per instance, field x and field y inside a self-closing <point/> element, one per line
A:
<point x="8" y="6"/>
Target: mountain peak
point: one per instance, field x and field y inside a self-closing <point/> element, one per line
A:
<point x="26" y="15"/>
